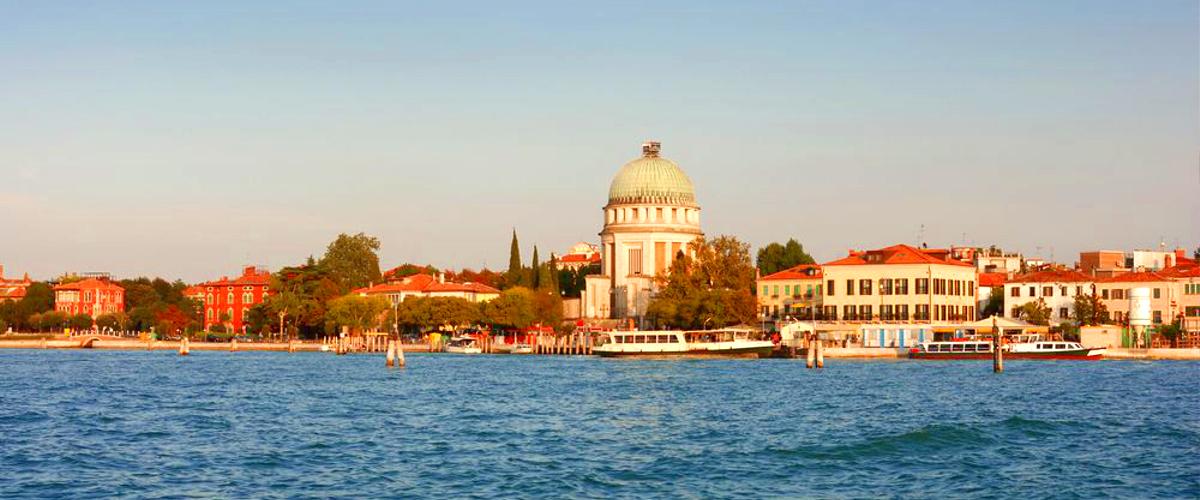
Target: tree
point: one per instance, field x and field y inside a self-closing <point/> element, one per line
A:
<point x="775" y="257"/>
<point x="52" y="320"/>
<point x="352" y="261"/>
<point x="80" y="321"/>
<point x="515" y="271"/>
<point x="514" y="308"/>
<point x="1172" y="332"/>
<point x="259" y="318"/>
<point x="356" y="312"/>
<point x="711" y="290"/>
<point x="573" y="281"/>
<point x="549" y="276"/>
<point x="535" y="275"/>
<point x="112" y="321"/>
<point x="1036" y="312"/>
<point x="1196" y="253"/>
<point x="1089" y="310"/>
<point x="995" y="303"/>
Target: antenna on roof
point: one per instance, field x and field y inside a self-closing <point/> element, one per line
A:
<point x="921" y="235"/>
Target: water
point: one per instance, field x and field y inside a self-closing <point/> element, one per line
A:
<point x="153" y="424"/>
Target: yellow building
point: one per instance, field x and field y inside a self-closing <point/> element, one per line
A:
<point x="899" y="284"/>
<point x="794" y="292"/>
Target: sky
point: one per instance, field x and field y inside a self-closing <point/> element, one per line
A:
<point x="186" y="139"/>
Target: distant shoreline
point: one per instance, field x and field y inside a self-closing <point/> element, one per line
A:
<point x="858" y="353"/>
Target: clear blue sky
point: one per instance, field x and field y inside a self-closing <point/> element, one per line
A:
<point x="185" y="139"/>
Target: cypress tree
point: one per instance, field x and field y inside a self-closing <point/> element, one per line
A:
<point x="514" y="261"/>
<point x="535" y="280"/>
<point x="551" y="279"/>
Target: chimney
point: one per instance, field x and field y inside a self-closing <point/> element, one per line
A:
<point x="441" y="277"/>
<point x="248" y="270"/>
<point x="650" y="149"/>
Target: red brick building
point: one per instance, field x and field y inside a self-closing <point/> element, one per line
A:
<point x="90" y="296"/>
<point x="233" y="297"/>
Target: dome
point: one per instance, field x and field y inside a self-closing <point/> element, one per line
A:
<point x="651" y="179"/>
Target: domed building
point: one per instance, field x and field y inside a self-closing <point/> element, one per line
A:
<point x="650" y="218"/>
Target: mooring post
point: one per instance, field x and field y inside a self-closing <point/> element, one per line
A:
<point x="997" y="352"/>
<point x="810" y="359"/>
<point x="391" y="353"/>
<point x="183" y="347"/>
<point x="820" y="353"/>
<point x="399" y="354"/>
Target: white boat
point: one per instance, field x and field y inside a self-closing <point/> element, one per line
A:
<point x="521" y="349"/>
<point x="670" y="343"/>
<point x="1024" y="346"/>
<point x="463" y="345"/>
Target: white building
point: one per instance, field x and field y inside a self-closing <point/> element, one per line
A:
<point x="651" y="217"/>
<point x="1058" y="288"/>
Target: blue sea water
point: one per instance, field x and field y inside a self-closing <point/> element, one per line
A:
<point x="235" y="425"/>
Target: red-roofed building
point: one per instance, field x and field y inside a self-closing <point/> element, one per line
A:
<point x="794" y="292"/>
<point x="899" y="284"/>
<point x="232" y="297"/>
<point x="1056" y="287"/>
<point x="425" y="285"/>
<point x="580" y="255"/>
<point x="13" y="289"/>
<point x="90" y="296"/>
<point x="1164" y="294"/>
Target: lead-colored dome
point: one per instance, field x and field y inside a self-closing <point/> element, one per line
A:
<point x="651" y="179"/>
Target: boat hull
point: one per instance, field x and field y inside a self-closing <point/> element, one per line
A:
<point x="737" y="352"/>
<point x="1078" y="354"/>
<point x="464" y="350"/>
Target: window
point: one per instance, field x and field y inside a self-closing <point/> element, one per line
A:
<point x="829" y="288"/>
<point x="209" y="300"/>
<point x="848" y="313"/>
<point x="1157" y="316"/>
<point x="775" y="291"/>
<point x="249" y="297"/>
<point x="1078" y="290"/>
<point x="864" y="312"/>
<point x="787" y="289"/>
<point x="830" y="313"/>
<point x="849" y="287"/>
<point x="1118" y="294"/>
<point x="902" y="312"/>
<point x="229" y="299"/>
<point x="922" y="312"/>
<point x="1016" y="291"/>
<point x="209" y="315"/>
<point x="885" y="311"/>
<point x="1156" y="294"/>
<point x="1062" y="312"/>
<point x="635" y="261"/>
<point x="1062" y="291"/>
<point x="1047" y="291"/>
<point x="900" y="286"/>
<point x="885" y="286"/>
<point x="864" y="287"/>
<point x="766" y="290"/>
<point x="1104" y="294"/>
<point x="922" y="286"/>
<point x="1033" y="291"/>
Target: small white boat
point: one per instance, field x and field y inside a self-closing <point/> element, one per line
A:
<point x="521" y="349"/>
<point x="463" y="345"/>
<point x="704" y="343"/>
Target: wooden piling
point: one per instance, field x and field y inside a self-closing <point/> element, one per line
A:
<point x="820" y="353"/>
<point x="399" y="355"/>
<point x="810" y="359"/>
<point x="391" y="353"/>
<point x="183" y="347"/>
<point x="997" y="352"/>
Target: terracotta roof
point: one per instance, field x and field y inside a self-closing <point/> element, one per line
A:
<point x="12" y="292"/>
<point x="89" y="284"/>
<point x="249" y="277"/>
<point x="578" y="257"/>
<point x="1182" y="271"/>
<point x="1135" y="277"/>
<point x="1053" y="276"/>
<point x="898" y="254"/>
<point x="800" y="272"/>
<point x="992" y="279"/>
<point x="424" y="283"/>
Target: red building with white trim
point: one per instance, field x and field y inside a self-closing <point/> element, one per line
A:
<point x="233" y="297"/>
<point x="90" y="296"/>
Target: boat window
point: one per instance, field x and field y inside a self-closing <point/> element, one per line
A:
<point x="1060" y="346"/>
<point x="956" y="347"/>
<point x="933" y="347"/>
<point x="674" y="339"/>
<point x="639" y="339"/>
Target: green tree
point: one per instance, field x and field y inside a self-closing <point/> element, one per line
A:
<point x="79" y="322"/>
<point x="711" y="290"/>
<point x="775" y="257"/>
<point x="573" y="281"/>
<point x="358" y="313"/>
<point x="1196" y="253"/>
<point x="514" y="308"/>
<point x="259" y="319"/>
<point x="995" y="303"/>
<point x="535" y="275"/>
<point x="1089" y="310"/>
<point x="3" y="326"/>
<point x="117" y="321"/>
<point x="1036" y="312"/>
<point x="514" y="275"/>
<point x="1172" y="332"/>
<point x="52" y="321"/>
<point x="549" y="276"/>
<point x="352" y="261"/>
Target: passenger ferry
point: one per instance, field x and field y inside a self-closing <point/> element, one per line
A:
<point x="463" y="345"/>
<point x="1022" y="347"/>
<point x="671" y="343"/>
